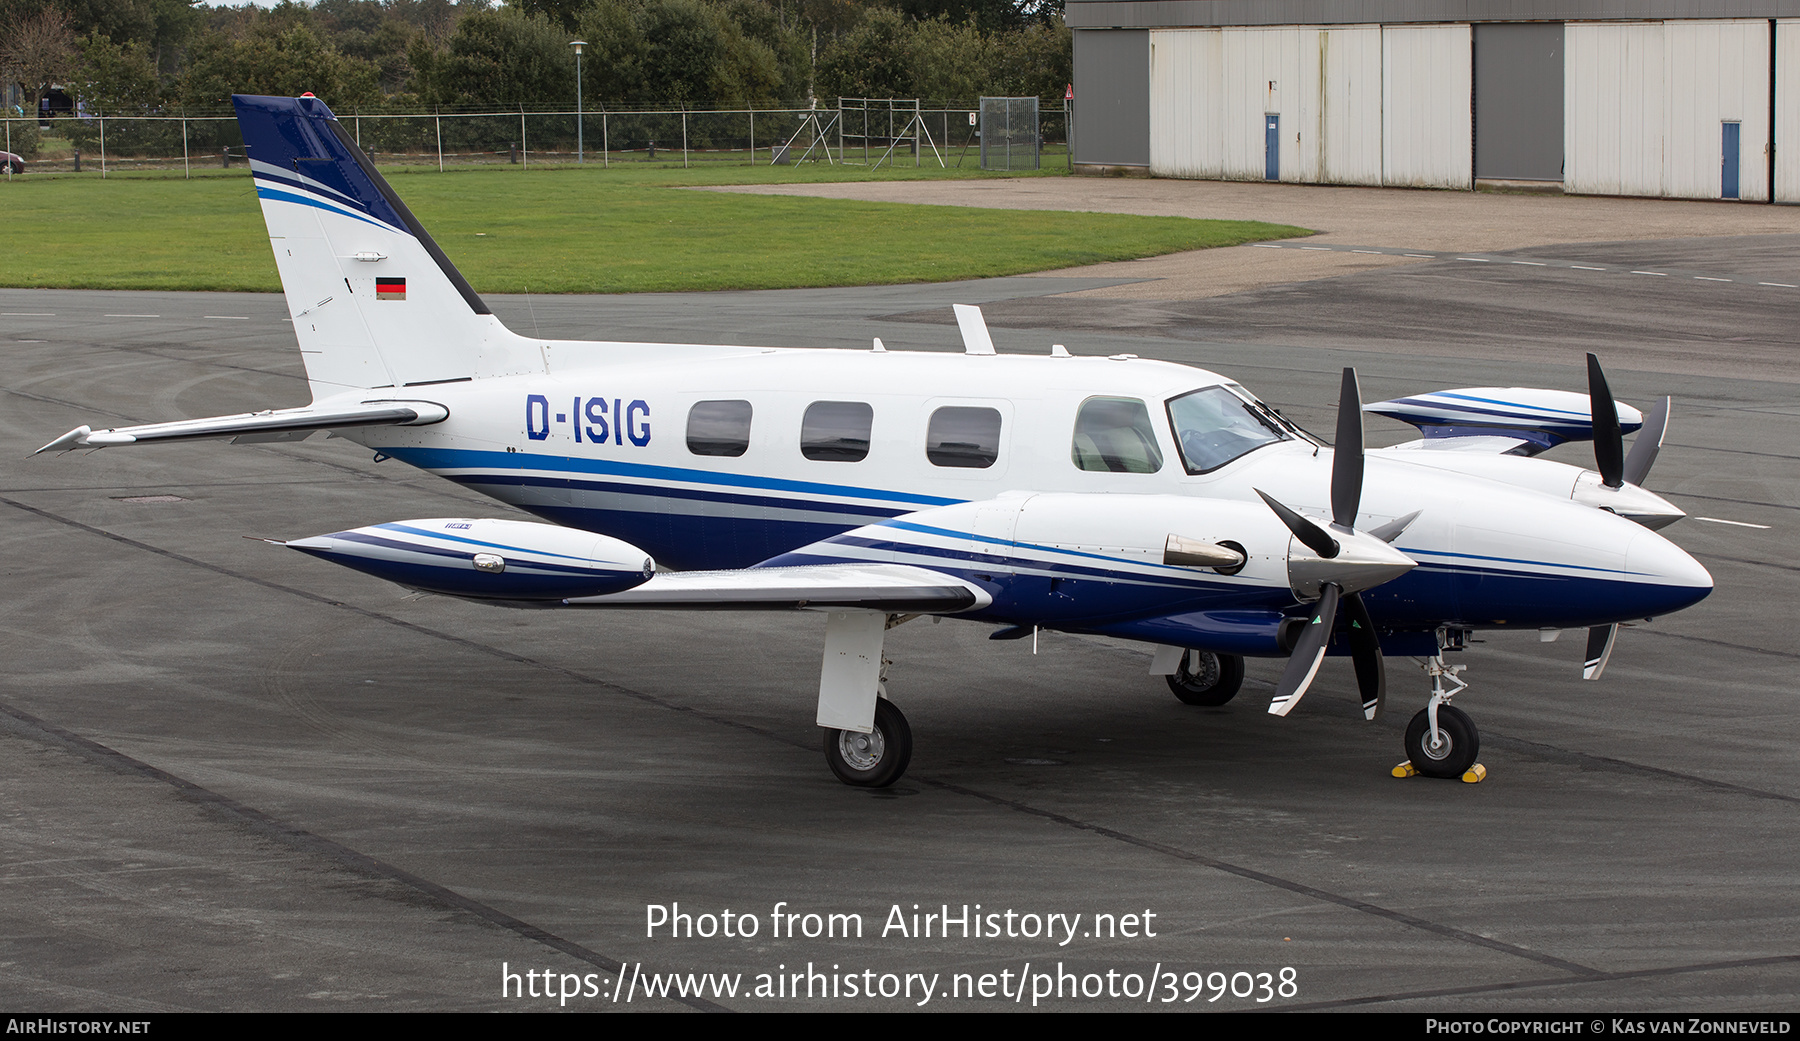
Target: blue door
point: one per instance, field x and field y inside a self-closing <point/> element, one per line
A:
<point x="1272" y="147"/>
<point x="1728" y="166"/>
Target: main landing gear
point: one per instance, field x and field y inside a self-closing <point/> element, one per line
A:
<point x="1207" y="679"/>
<point x="867" y="741"/>
<point x="875" y="759"/>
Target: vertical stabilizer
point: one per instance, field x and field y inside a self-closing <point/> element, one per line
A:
<point x="374" y="300"/>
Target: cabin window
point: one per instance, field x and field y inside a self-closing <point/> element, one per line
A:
<point x="963" y="436"/>
<point x="719" y="428"/>
<point x="836" y="431"/>
<point x="1114" y="434"/>
<point x="1214" y="426"/>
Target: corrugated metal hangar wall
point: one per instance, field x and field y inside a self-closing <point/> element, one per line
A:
<point x="1688" y="107"/>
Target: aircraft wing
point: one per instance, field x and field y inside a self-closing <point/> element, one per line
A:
<point x="895" y="588"/>
<point x="288" y="424"/>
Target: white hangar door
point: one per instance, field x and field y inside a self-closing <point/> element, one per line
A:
<point x="1428" y="130"/>
<point x="1215" y="94"/>
<point x="1677" y="109"/>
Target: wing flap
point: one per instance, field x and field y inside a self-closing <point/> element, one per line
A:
<point x="252" y="427"/>
<point x="874" y="587"/>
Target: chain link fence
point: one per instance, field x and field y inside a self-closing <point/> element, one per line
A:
<point x="856" y="132"/>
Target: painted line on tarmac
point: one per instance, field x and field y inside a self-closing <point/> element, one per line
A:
<point x="1740" y="524"/>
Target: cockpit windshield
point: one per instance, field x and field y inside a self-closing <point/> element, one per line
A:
<point x="1218" y="424"/>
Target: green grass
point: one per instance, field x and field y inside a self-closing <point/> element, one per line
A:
<point x="578" y="230"/>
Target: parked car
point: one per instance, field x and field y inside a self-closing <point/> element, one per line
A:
<point x="11" y="163"/>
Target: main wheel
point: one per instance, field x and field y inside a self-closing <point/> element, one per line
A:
<point x="1205" y="678"/>
<point x="876" y="759"/>
<point x="1460" y="743"/>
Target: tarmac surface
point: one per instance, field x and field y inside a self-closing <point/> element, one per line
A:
<point x="232" y="777"/>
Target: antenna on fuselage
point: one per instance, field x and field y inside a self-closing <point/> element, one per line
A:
<point x="879" y="348"/>
<point x="975" y="336"/>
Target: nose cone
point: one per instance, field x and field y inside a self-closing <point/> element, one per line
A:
<point x="1669" y="578"/>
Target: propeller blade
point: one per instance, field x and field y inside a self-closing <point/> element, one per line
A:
<point x="1306" y="531"/>
<point x="1599" y="650"/>
<point x="1365" y="651"/>
<point x="1347" y="454"/>
<point x="1309" y="651"/>
<point x="1609" y="444"/>
<point x="1649" y="442"/>
<point x="1395" y="528"/>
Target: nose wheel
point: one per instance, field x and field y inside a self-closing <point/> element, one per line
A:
<point x="876" y="759"/>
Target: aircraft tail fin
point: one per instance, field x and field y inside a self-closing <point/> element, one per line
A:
<point x="375" y="302"/>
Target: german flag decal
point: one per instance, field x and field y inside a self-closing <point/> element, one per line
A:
<point x="390" y="289"/>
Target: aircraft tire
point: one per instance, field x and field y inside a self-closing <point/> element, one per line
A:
<point x="1462" y="743"/>
<point x="873" y="760"/>
<point x="1214" y="683"/>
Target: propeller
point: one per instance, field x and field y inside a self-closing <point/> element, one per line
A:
<point x="1347" y="562"/>
<point x="1609" y="443"/>
<point x="1609" y="448"/>
<point x="1617" y="469"/>
<point x="1649" y="442"/>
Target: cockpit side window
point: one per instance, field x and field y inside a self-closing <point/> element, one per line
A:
<point x="1115" y="435"/>
<point x="1213" y="426"/>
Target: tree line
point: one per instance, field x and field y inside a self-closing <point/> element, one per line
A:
<point x="168" y="56"/>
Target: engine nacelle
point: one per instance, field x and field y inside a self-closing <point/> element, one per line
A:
<point x="487" y="559"/>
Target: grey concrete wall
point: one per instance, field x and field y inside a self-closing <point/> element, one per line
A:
<point x="1519" y="101"/>
<point x="1112" y="97"/>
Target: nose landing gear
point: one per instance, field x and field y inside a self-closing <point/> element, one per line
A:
<point x="1441" y="741"/>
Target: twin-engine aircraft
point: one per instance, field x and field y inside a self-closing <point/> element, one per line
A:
<point x="1133" y="499"/>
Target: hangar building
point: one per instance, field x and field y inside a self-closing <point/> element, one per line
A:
<point x="1678" y="98"/>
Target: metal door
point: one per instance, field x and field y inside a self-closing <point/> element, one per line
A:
<point x="1272" y="147"/>
<point x="1728" y="161"/>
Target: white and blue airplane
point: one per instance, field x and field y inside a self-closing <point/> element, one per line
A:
<point x="1134" y="499"/>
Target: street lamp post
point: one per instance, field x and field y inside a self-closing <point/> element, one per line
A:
<point x="578" y="45"/>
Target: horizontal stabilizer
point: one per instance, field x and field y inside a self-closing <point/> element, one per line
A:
<point x="875" y="587"/>
<point x="258" y="426"/>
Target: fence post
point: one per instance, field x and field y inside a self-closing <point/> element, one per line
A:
<point x="9" y="148"/>
<point x="103" y="146"/>
<point x="184" y="149"/>
<point x="358" y="118"/>
<point x="605" y="143"/>
<point x="438" y="121"/>
<point x="684" y="150"/>
<point x="752" y="137"/>
<point x="524" y="146"/>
